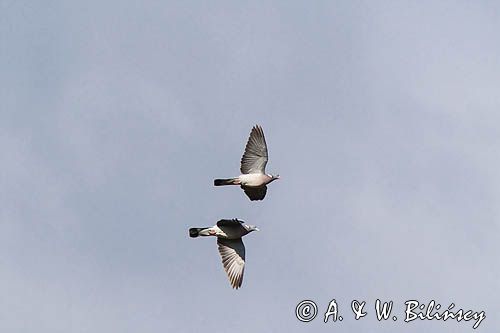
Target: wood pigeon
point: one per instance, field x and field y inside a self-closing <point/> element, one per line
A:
<point x="253" y="178"/>
<point x="231" y="248"/>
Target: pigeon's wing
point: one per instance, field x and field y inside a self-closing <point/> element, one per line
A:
<point x="254" y="158"/>
<point x="232" y="252"/>
<point x="227" y="223"/>
<point x="255" y="193"/>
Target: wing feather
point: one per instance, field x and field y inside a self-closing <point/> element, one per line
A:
<point x="232" y="222"/>
<point x="232" y="252"/>
<point x="255" y="157"/>
<point x="255" y="193"/>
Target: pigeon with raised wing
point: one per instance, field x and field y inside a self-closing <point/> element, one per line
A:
<point x="231" y="248"/>
<point x="253" y="178"/>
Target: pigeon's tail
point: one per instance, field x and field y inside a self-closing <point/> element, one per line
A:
<point x="195" y="232"/>
<point x="228" y="181"/>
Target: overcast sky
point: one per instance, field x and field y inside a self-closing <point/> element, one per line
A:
<point x="381" y="117"/>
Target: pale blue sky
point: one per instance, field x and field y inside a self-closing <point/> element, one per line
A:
<point x="381" y="117"/>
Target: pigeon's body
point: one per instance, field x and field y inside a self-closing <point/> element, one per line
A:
<point x="231" y="248"/>
<point x="253" y="178"/>
<point x="228" y="231"/>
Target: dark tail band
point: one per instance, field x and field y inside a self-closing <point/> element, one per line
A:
<point x="195" y="232"/>
<point x="228" y="181"/>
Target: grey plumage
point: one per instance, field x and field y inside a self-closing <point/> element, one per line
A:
<point x="232" y="252"/>
<point x="254" y="159"/>
<point x="255" y="193"/>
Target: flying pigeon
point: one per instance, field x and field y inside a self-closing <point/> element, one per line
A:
<point x="253" y="178"/>
<point x="231" y="248"/>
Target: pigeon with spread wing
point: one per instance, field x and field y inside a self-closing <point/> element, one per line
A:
<point x="231" y="248"/>
<point x="253" y="179"/>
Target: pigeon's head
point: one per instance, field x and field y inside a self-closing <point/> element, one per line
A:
<point x="274" y="177"/>
<point x="251" y="228"/>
